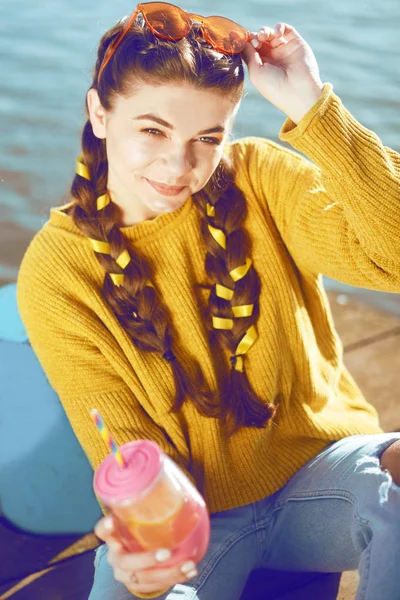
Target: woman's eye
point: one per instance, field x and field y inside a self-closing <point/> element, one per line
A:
<point x="210" y="140"/>
<point x="150" y="130"/>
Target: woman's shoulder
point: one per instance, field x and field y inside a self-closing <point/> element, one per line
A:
<point x="256" y="158"/>
<point x="255" y="147"/>
<point x="56" y="251"/>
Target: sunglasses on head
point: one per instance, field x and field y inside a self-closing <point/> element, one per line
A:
<point x="170" y="22"/>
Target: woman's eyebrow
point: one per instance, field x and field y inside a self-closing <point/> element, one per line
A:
<point x="150" y="117"/>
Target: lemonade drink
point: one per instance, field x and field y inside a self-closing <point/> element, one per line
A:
<point x="154" y="504"/>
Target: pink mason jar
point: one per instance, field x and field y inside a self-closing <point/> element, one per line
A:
<point x="153" y="503"/>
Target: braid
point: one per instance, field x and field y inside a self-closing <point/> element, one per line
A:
<point x="233" y="301"/>
<point x="127" y="287"/>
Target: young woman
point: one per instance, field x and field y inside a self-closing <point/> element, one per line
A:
<point x="180" y="292"/>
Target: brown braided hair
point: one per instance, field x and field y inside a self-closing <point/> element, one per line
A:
<point x="145" y="58"/>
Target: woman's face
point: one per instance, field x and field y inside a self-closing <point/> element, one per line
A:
<point x="179" y="151"/>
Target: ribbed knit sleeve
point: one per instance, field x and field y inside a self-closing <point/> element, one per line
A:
<point x="338" y="215"/>
<point x="66" y="337"/>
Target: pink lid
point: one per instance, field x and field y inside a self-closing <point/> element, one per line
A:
<point x="113" y="483"/>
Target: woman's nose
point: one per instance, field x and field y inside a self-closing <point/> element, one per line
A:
<point x="180" y="162"/>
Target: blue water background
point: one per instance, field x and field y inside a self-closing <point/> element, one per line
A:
<point x="47" y="52"/>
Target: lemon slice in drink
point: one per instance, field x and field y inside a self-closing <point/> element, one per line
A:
<point x="155" y="535"/>
<point x="152" y="521"/>
<point x="164" y="501"/>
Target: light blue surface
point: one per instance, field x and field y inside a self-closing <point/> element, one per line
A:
<point x="11" y="327"/>
<point x="46" y="478"/>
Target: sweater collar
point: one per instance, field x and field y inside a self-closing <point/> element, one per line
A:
<point x="134" y="233"/>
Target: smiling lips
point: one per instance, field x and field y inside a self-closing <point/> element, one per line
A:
<point x="165" y="190"/>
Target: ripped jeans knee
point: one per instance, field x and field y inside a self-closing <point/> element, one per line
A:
<point x="380" y="466"/>
<point x="390" y="461"/>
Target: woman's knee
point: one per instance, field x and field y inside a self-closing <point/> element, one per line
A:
<point x="390" y="460"/>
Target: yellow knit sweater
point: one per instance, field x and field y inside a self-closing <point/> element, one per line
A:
<point x="338" y="215"/>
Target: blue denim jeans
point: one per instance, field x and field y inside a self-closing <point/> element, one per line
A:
<point x="339" y="512"/>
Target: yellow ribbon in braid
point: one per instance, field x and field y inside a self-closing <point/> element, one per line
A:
<point x="223" y="292"/>
<point x="102" y="201"/>
<point x="218" y="236"/>
<point x="221" y="323"/>
<point x="82" y="169"/>
<point x="210" y="210"/>
<point x="245" y="343"/>
<point x="124" y="258"/>
<point x="244" y="310"/>
<point x="241" y="271"/>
